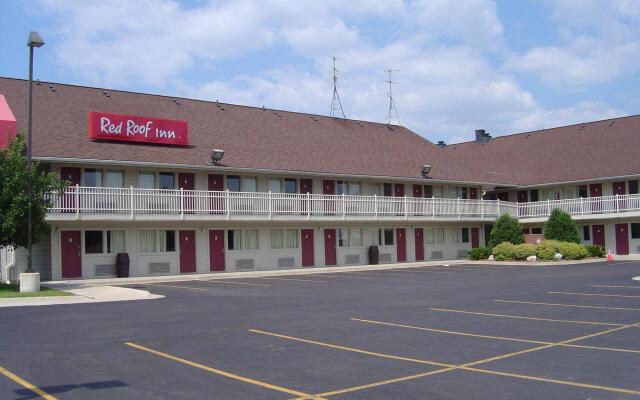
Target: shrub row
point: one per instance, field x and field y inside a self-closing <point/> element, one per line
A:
<point x="544" y="251"/>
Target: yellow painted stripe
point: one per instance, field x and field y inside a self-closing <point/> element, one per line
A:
<point x="175" y="286"/>
<point x="223" y="373"/>
<point x="291" y="279"/>
<point x="351" y="349"/>
<point x="596" y="294"/>
<point x="26" y="384"/>
<point x="449" y="332"/>
<point x="527" y="318"/>
<point x="231" y="282"/>
<point x="568" y="305"/>
<point x="614" y="286"/>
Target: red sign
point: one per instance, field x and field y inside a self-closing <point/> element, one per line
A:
<point x="104" y="126"/>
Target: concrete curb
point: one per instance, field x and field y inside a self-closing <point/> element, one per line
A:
<point x="95" y="294"/>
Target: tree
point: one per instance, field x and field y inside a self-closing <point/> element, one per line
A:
<point x="14" y="199"/>
<point x="560" y="226"/>
<point x="506" y="229"/>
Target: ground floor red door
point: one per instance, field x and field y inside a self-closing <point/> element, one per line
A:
<point x="598" y="235"/>
<point x="216" y="250"/>
<point x="622" y="238"/>
<point x="70" y="248"/>
<point x="401" y="245"/>
<point x="330" y="257"/>
<point x="475" y="237"/>
<point x="419" y="243"/>
<point x="187" y="251"/>
<point x="307" y="247"/>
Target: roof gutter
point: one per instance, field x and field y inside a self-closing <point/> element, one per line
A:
<point x="218" y="168"/>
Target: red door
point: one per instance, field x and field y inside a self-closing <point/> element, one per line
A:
<point x="419" y="244"/>
<point x="186" y="181"/>
<point x="598" y="235"/>
<point x="306" y="186"/>
<point x="330" y="247"/>
<point x="475" y="237"/>
<point x="70" y="247"/>
<point x="216" y="184"/>
<point x="620" y="188"/>
<point x="595" y="190"/>
<point x="307" y="247"/>
<point x="187" y="251"/>
<point x="71" y="175"/>
<point x="473" y="193"/>
<point x="522" y="196"/>
<point x="622" y="238"/>
<point x="398" y="190"/>
<point x="401" y="245"/>
<point x="216" y="250"/>
<point x="329" y="188"/>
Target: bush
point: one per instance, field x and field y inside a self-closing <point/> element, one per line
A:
<point x="504" y="251"/>
<point x="547" y="249"/>
<point x="522" y="251"/>
<point x="596" y="251"/>
<point x="572" y="251"/>
<point x="506" y="229"/>
<point x="479" y="253"/>
<point x="560" y="226"/>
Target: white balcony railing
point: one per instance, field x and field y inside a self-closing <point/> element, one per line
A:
<point x="131" y="203"/>
<point x="617" y="204"/>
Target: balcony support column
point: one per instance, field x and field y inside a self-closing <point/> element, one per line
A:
<point x="227" y="204"/>
<point x="375" y="206"/>
<point x="406" y="210"/>
<point x="77" y="196"/>
<point x="181" y="203"/>
<point x="131" y="202"/>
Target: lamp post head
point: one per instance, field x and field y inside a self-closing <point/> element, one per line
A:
<point x="35" y="40"/>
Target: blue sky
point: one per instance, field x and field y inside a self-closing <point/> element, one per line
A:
<point x="505" y="66"/>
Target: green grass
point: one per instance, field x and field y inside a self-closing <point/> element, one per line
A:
<point x="7" y="291"/>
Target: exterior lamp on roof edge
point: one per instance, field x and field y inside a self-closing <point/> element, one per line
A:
<point x="216" y="156"/>
<point x="426" y="169"/>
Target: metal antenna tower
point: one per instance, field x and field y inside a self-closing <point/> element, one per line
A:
<point x="393" y="111"/>
<point x="336" y="104"/>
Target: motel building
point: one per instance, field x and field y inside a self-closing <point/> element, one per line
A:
<point x="186" y="186"/>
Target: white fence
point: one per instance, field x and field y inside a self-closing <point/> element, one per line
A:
<point x="131" y="202"/>
<point x="582" y="206"/>
<point x="7" y="264"/>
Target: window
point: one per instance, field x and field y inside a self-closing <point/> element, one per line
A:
<point x="146" y="180"/>
<point x="92" y="177"/>
<point x="465" y="235"/>
<point x="428" y="191"/>
<point x="233" y="183"/>
<point x="582" y="191"/>
<point x="93" y="242"/>
<point x="283" y="238"/>
<point x="115" y="242"/>
<point x="166" y="180"/>
<point x="290" y="185"/>
<point x="464" y="193"/>
<point x="349" y="188"/>
<point x="385" y="237"/>
<point x="113" y="179"/>
<point x="157" y="241"/>
<point x="635" y="231"/>
<point x="536" y="231"/>
<point x="387" y="190"/>
<point x="533" y="195"/>
<point x="438" y="192"/>
<point x="434" y="235"/>
<point x="586" y="233"/>
<point x="249" y="184"/>
<point x="633" y="187"/>
<point x="246" y="239"/>
<point x="275" y="185"/>
<point x="350" y="237"/>
<point x="569" y="192"/>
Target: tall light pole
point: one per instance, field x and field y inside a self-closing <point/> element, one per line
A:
<point x="34" y="41"/>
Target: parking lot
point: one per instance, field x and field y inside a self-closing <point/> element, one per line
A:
<point x="463" y="331"/>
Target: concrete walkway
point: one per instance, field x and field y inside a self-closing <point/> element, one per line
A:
<point x="94" y="294"/>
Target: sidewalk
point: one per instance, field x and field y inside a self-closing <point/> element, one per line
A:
<point x="94" y="294"/>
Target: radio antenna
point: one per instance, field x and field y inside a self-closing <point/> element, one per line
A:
<point x="336" y="104"/>
<point x="393" y="111"/>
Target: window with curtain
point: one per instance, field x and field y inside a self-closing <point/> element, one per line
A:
<point x="276" y="237"/>
<point x="233" y="183"/>
<point x="291" y="239"/>
<point x="249" y="184"/>
<point x="455" y="235"/>
<point x="275" y="185"/>
<point x="290" y="185"/>
<point x="92" y="177"/>
<point x="146" y="180"/>
<point x="355" y="237"/>
<point x="166" y="180"/>
<point x="341" y="187"/>
<point x="115" y="242"/>
<point x="438" y="191"/>
<point x="250" y="239"/>
<point x="434" y="235"/>
<point x="147" y="241"/>
<point x="114" y="179"/>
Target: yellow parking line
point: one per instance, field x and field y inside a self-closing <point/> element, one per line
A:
<point x="291" y="279"/>
<point x="351" y="349"/>
<point x="26" y="384"/>
<point x="568" y="305"/>
<point x="527" y="318"/>
<point x="467" y="366"/>
<point x="595" y="294"/>
<point x="510" y="339"/>
<point x="175" y="286"/>
<point x="614" y="286"/>
<point x="223" y="373"/>
<point x="231" y="282"/>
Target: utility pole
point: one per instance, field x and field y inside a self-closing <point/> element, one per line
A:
<point x="336" y="104"/>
